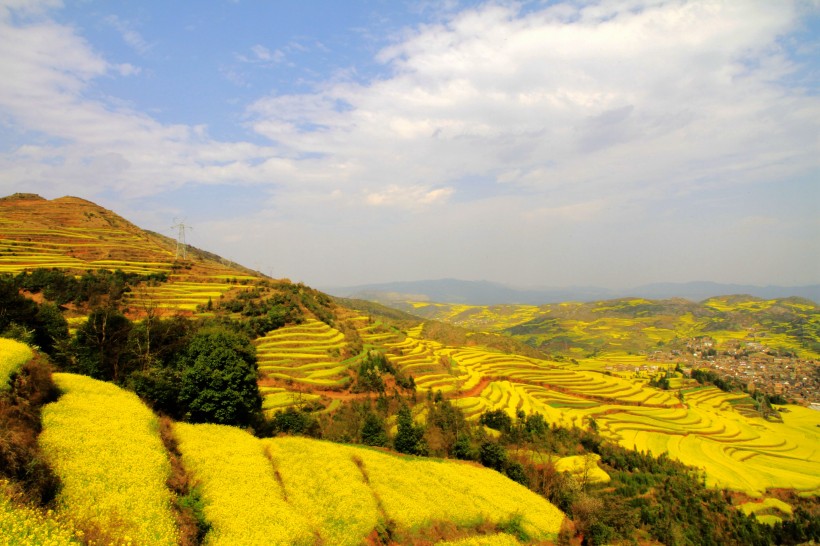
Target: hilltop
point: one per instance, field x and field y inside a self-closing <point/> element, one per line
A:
<point x="73" y="233"/>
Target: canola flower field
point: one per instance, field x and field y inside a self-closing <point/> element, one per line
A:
<point x="483" y="540"/>
<point x="267" y="491"/>
<point x="21" y="525"/>
<point x="13" y="354"/>
<point x="104" y="445"/>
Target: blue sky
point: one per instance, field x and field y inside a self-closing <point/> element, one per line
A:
<point x="608" y="143"/>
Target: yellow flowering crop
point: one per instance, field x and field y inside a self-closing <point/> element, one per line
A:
<point x="23" y="526"/>
<point x="483" y="540"/>
<point x="13" y="355"/>
<point x="298" y="491"/>
<point x="411" y="491"/>
<point x="244" y="503"/>
<point x="104" y="445"/>
<point x="323" y="483"/>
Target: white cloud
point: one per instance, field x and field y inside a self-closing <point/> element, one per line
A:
<point x="607" y="97"/>
<point x="92" y="145"/>
<point x="130" y="36"/>
<point x="412" y="197"/>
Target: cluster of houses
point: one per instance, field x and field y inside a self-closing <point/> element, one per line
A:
<point x="754" y="365"/>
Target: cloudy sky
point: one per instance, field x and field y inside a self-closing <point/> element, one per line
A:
<point x="557" y="143"/>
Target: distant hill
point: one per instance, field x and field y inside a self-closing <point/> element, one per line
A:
<point x="470" y="292"/>
<point x="491" y="293"/>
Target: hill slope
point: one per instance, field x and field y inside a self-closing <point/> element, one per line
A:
<point x="73" y="233"/>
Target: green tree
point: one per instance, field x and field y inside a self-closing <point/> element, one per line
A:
<point x="101" y="345"/>
<point x="219" y="376"/>
<point x="409" y="436"/>
<point x="493" y="455"/>
<point x="373" y="431"/>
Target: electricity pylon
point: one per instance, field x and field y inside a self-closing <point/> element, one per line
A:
<point x="182" y="248"/>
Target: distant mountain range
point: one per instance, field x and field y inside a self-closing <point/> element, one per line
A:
<point x="491" y="293"/>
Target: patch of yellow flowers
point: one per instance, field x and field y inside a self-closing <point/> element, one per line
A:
<point x="23" y="526"/>
<point x="483" y="540"/>
<point x="418" y="491"/>
<point x="322" y="482"/>
<point x="244" y="503"/>
<point x="104" y="445"/>
<point x="298" y="491"/>
<point x="13" y="354"/>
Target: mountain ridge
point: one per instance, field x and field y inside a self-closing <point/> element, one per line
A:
<point x="493" y="293"/>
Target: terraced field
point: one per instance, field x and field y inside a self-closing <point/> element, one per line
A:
<point x="708" y="428"/>
<point x="180" y="293"/>
<point x="104" y="445"/>
<point x="308" y="355"/>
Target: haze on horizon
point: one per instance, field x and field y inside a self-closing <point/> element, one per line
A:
<point x="605" y="143"/>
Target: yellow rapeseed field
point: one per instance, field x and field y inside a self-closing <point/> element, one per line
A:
<point x="104" y="445"/>
<point x="244" y="503"/>
<point x="13" y="354"/>
<point x="483" y="540"/>
<point x="297" y="490"/>
<point x="24" y="526"/>
<point x="411" y="490"/>
<point x="322" y="482"/>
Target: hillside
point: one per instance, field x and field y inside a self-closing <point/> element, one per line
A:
<point x="546" y="383"/>
<point x="107" y="450"/>
<point x="76" y="235"/>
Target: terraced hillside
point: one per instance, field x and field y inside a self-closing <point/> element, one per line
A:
<point x="73" y="234"/>
<point x="309" y="349"/>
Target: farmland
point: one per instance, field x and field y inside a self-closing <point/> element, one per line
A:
<point x="73" y="234"/>
<point x="272" y="491"/>
<point x="635" y="325"/>
<point x="104" y="446"/>
<point x="13" y="355"/>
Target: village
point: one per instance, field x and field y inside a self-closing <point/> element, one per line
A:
<point x="753" y="366"/>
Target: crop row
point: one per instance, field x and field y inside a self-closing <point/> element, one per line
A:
<point x="307" y="354"/>
<point x="103" y="444"/>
